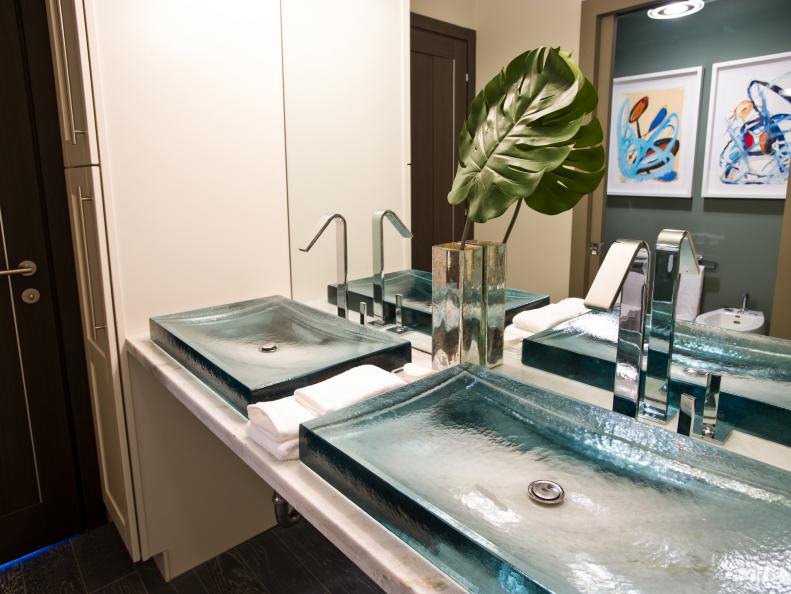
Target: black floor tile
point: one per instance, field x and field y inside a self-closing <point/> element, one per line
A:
<point x="12" y="580"/>
<point x="152" y="579"/>
<point x="279" y="570"/>
<point x="188" y="583"/>
<point x="331" y="567"/>
<point x="228" y="574"/>
<point x="102" y="557"/>
<point x="54" y="570"/>
<point x="131" y="584"/>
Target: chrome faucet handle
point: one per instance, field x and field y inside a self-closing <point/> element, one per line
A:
<point x="342" y="258"/>
<point x="705" y="424"/>
<point x="377" y="241"/>
<point x="625" y="271"/>
<point x="399" y="327"/>
<point x="363" y="312"/>
<point x="674" y="255"/>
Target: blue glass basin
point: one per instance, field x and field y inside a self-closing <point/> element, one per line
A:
<point x="756" y="369"/>
<point x="415" y="287"/>
<point x="222" y="346"/>
<point x="445" y="464"/>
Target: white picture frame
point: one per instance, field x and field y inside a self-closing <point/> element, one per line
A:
<point x="628" y="174"/>
<point x="729" y="82"/>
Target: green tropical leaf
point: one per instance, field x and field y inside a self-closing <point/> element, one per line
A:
<point x="524" y="139"/>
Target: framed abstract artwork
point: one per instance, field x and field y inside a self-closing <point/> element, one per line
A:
<point x="653" y="128"/>
<point x="748" y="141"/>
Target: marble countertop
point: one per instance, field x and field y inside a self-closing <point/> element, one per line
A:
<point x="391" y="563"/>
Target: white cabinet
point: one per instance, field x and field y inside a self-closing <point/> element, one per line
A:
<point x="72" y="81"/>
<point x="86" y="209"/>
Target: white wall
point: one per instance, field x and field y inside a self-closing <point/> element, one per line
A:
<point x="190" y="119"/>
<point x="347" y="125"/>
<point x="539" y="250"/>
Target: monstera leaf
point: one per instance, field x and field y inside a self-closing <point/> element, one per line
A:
<point x="525" y="139"/>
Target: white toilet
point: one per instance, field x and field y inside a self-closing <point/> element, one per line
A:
<point x="732" y="318"/>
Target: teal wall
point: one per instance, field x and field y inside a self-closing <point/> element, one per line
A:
<point x="741" y="235"/>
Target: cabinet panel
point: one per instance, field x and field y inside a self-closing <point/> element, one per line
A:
<point x="86" y="209"/>
<point x="72" y="80"/>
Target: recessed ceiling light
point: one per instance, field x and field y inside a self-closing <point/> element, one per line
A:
<point x="675" y="10"/>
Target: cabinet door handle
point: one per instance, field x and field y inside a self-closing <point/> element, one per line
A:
<point x="69" y="100"/>
<point x="86" y="256"/>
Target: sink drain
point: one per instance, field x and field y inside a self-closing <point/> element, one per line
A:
<point x="268" y="347"/>
<point x="546" y="492"/>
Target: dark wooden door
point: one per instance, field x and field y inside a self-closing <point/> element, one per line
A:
<point x="442" y="87"/>
<point x="40" y="487"/>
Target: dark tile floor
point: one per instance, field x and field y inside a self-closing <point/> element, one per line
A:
<point x="291" y="560"/>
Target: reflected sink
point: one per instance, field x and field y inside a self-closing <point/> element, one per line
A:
<point x="264" y="349"/>
<point x="445" y="464"/>
<point x="415" y="287"/>
<point x="730" y="318"/>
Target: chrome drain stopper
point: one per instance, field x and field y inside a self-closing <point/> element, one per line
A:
<point x="546" y="492"/>
<point x="268" y="347"/>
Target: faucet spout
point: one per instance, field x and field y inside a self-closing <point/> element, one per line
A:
<point x="377" y="240"/>
<point x="625" y="270"/>
<point x="342" y="258"/>
<point x="675" y="254"/>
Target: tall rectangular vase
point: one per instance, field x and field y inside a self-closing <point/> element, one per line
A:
<point x="457" y="305"/>
<point x="493" y="297"/>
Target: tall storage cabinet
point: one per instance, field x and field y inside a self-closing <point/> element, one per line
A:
<point x="69" y="45"/>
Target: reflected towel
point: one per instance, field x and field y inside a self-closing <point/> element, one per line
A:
<point x="279" y="418"/>
<point x="549" y="316"/>
<point x="282" y="450"/>
<point x="347" y="388"/>
<point x="690" y="293"/>
<point x="514" y="335"/>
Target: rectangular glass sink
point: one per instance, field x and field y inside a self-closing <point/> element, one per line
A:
<point x="756" y="369"/>
<point x="445" y="464"/>
<point x="415" y="287"/>
<point x="264" y="349"/>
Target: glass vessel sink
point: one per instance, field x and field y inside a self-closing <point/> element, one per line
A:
<point x="755" y="369"/>
<point x="445" y="464"/>
<point x="264" y="349"/>
<point x="415" y="287"/>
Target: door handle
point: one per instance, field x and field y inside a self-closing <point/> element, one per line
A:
<point x="25" y="268"/>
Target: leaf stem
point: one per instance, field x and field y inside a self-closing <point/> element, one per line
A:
<point x="466" y="233"/>
<point x="513" y="221"/>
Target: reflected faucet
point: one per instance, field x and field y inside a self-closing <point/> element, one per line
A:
<point x="342" y="259"/>
<point x="625" y="270"/>
<point x="377" y="240"/>
<point x="675" y="254"/>
<point x="703" y="423"/>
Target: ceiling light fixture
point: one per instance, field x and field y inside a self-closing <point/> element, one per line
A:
<point x="675" y="10"/>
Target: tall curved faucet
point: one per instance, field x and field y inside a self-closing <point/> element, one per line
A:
<point x="625" y="270"/>
<point x="675" y="254"/>
<point x="377" y="240"/>
<point x="341" y="255"/>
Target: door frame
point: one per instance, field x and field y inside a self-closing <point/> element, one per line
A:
<point x="597" y="53"/>
<point x="60" y="251"/>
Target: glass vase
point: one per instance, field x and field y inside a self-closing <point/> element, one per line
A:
<point x="493" y="299"/>
<point x="457" y="334"/>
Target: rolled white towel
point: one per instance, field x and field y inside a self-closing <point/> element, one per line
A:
<point x="279" y="418"/>
<point x="347" y="388"/>
<point x="282" y="450"/>
<point x="514" y="335"/>
<point x="413" y="372"/>
<point x="549" y="316"/>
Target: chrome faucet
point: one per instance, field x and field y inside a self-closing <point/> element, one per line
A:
<point x="377" y="240"/>
<point x="675" y="254"/>
<point x="745" y="302"/>
<point x="342" y="259"/>
<point x="625" y="270"/>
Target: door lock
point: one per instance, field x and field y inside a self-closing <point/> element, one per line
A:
<point x="25" y="268"/>
<point x="31" y="296"/>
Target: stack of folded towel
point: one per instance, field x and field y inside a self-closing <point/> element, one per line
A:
<point x="275" y="425"/>
<point x="532" y="321"/>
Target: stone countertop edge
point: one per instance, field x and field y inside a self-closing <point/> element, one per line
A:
<point x="388" y="561"/>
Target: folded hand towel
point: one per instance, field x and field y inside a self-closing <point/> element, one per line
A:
<point x="514" y="335"/>
<point x="282" y="450"/>
<point x="347" y="388"/>
<point x="690" y="293"/>
<point x="549" y="316"/>
<point x="279" y="418"/>
<point x="413" y="372"/>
